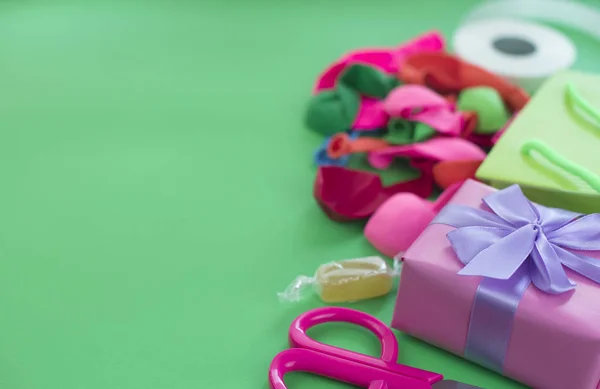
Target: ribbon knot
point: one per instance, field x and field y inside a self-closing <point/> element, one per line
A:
<point x="513" y="237"/>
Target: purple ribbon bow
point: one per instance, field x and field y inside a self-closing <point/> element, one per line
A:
<point x="512" y="244"/>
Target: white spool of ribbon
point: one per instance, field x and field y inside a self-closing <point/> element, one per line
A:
<point x="505" y="37"/>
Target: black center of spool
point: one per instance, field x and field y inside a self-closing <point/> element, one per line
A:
<point x="514" y="46"/>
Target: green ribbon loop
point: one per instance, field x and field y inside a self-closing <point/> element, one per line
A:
<point x="568" y="166"/>
<point x="576" y="99"/>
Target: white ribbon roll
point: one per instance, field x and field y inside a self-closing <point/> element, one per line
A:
<point x="503" y="37"/>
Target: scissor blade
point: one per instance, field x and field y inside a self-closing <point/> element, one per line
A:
<point x="446" y="384"/>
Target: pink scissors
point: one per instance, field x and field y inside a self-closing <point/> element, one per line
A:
<point x="339" y="364"/>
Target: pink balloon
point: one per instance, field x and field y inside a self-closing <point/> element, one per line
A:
<point x="400" y="220"/>
<point x="371" y="115"/>
<point x="387" y="60"/>
<point x="437" y="149"/>
<point x="420" y="104"/>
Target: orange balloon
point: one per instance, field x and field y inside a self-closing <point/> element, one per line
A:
<point x="341" y="144"/>
<point x="447" y="74"/>
<point x="470" y="123"/>
<point x="446" y="173"/>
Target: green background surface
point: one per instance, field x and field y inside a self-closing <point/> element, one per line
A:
<point x="156" y="188"/>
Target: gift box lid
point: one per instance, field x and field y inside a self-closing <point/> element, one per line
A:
<point x="553" y="118"/>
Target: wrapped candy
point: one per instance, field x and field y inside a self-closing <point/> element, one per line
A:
<point x="345" y="281"/>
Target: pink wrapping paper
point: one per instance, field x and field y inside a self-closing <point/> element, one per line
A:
<point x="555" y="341"/>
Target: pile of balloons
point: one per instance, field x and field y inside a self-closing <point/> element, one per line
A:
<point x="415" y="102"/>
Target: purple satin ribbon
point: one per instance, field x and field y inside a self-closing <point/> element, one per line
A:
<point x="512" y="244"/>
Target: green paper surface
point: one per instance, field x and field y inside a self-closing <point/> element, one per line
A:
<point x="332" y="111"/>
<point x="492" y="115"/>
<point x="368" y="81"/>
<point x="143" y="236"/>
<point x="550" y="118"/>
<point x="403" y="132"/>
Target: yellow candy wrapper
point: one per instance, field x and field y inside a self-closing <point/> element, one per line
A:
<point x="346" y="281"/>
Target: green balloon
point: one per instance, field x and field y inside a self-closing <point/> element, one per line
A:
<point x="368" y="81"/>
<point x="333" y="110"/>
<point x="403" y="132"/>
<point x="487" y="102"/>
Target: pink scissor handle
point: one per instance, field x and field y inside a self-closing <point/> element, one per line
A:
<point x="343" y="370"/>
<point x="389" y="345"/>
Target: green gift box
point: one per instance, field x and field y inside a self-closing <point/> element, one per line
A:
<point x="552" y="148"/>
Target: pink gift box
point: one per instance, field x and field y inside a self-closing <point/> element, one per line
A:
<point x="555" y="339"/>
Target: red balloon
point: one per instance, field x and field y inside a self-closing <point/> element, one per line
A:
<point x="348" y="195"/>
